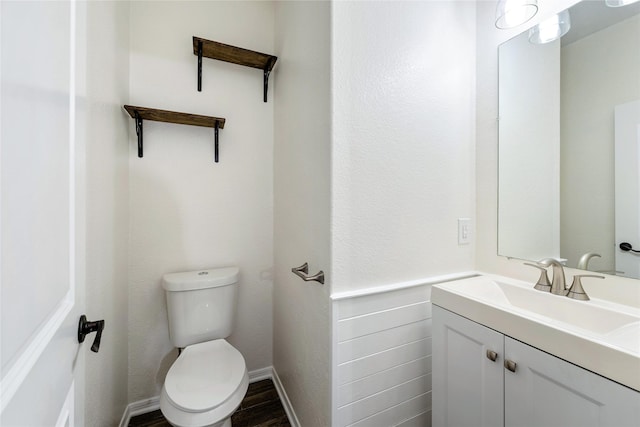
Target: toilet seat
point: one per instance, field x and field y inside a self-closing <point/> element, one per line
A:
<point x="208" y="381"/>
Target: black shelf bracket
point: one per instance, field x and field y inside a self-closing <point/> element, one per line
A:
<point x="139" y="133"/>
<point x="216" y="142"/>
<point x="267" y="72"/>
<point x="199" y="66"/>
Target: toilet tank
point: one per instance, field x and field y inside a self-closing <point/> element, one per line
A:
<point x="200" y="304"/>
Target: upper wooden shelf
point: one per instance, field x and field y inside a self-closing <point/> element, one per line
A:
<point x="235" y="55"/>
<point x="142" y="113"/>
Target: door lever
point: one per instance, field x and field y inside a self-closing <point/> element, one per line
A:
<point x="626" y="247"/>
<point x="86" y="327"/>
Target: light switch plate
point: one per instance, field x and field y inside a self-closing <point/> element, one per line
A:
<point x="464" y="231"/>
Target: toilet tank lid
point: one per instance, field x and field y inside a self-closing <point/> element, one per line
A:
<point x="200" y="279"/>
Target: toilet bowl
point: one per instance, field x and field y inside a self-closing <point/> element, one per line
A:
<point x="205" y="385"/>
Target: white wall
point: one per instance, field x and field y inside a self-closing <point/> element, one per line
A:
<point x="601" y="66"/>
<point x="403" y="93"/>
<point x="187" y="212"/>
<point x="107" y="227"/>
<point x="302" y="310"/>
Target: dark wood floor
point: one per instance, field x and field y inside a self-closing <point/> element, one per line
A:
<point x="261" y="407"/>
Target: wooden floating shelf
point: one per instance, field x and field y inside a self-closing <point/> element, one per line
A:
<point x="235" y="55"/>
<point x="143" y="113"/>
<point x="174" y="117"/>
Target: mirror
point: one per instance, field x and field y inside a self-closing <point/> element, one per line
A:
<point x="569" y="143"/>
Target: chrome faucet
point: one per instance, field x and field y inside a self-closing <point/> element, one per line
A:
<point x="558" y="283"/>
<point x="583" y="264"/>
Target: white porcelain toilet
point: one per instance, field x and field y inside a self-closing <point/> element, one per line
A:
<point x="207" y="382"/>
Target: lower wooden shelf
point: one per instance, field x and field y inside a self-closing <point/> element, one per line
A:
<point x="142" y="113"/>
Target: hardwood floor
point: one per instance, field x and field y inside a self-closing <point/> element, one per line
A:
<point x="261" y="407"/>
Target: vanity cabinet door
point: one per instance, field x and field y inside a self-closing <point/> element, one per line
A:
<point x="467" y="384"/>
<point x="547" y="391"/>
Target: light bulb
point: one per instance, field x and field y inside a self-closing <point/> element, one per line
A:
<point x="619" y="3"/>
<point x="551" y="29"/>
<point x="511" y="13"/>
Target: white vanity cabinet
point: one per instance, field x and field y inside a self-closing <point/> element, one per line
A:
<point x="471" y="389"/>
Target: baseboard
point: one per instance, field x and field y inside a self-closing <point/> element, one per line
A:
<point x="153" y="404"/>
<point x="286" y="403"/>
<point x="261" y="374"/>
<point x="138" y="408"/>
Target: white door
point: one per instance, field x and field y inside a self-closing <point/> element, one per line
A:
<point x="42" y="216"/>
<point x="627" y="179"/>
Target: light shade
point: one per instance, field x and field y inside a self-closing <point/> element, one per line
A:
<point x="618" y="3"/>
<point x="551" y="29"/>
<point x="511" y="13"/>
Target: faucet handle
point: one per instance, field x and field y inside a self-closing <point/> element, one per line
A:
<point x="576" y="291"/>
<point x="543" y="281"/>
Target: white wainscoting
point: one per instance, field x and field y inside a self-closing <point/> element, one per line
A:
<point x="382" y="359"/>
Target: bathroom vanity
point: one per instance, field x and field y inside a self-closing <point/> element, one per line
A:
<point x="508" y="355"/>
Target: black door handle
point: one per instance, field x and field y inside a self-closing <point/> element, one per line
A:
<point x="85" y="327"/>
<point x="626" y="247"/>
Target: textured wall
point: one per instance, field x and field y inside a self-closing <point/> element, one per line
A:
<point x="302" y="310"/>
<point x="107" y="227"/>
<point x="403" y="140"/>
<point x="188" y="212"/>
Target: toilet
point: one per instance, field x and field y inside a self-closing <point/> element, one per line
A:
<point x="209" y="379"/>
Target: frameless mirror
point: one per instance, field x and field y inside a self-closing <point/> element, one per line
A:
<point x="569" y="143"/>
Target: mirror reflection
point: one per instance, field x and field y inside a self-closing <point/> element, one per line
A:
<point x="569" y="138"/>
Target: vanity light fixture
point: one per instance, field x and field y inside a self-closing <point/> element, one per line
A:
<point x="551" y="29"/>
<point x="619" y="3"/>
<point x="511" y="13"/>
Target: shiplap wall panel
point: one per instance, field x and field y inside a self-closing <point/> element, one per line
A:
<point x="383" y="380"/>
<point x="353" y="307"/>
<point x="422" y="420"/>
<point x="352" y="371"/>
<point x="383" y="359"/>
<point x="384" y="340"/>
<point x="374" y="343"/>
<point x="386" y="399"/>
<point x="398" y="414"/>
<point x="375" y="322"/>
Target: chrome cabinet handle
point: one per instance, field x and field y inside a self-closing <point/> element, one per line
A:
<point x="510" y="365"/>
<point x="492" y="355"/>
<point x="303" y="273"/>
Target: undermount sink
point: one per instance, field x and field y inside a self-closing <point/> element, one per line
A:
<point x="599" y="335"/>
